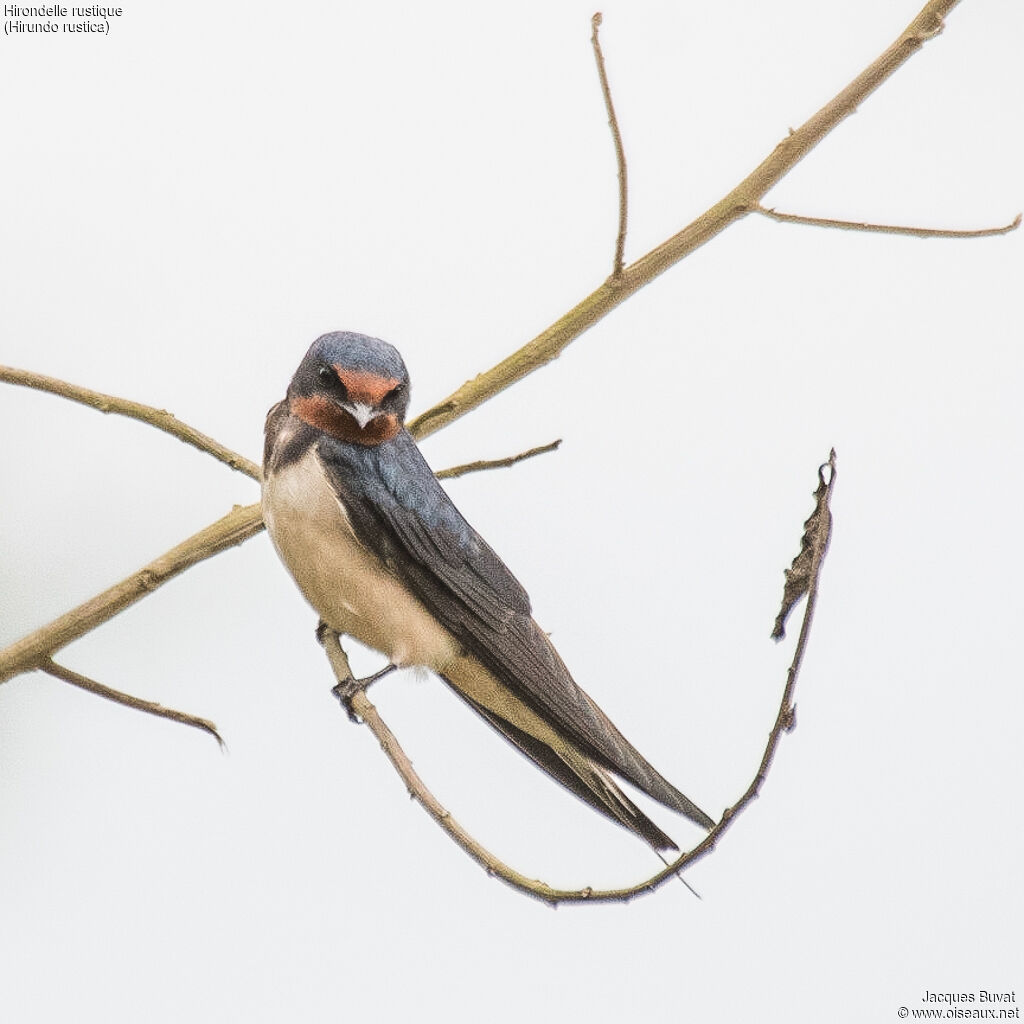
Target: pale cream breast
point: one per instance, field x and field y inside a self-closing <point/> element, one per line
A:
<point x="346" y="583"/>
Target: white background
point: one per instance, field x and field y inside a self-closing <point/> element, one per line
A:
<point x="187" y="203"/>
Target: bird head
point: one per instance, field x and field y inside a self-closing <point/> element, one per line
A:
<point x="351" y="386"/>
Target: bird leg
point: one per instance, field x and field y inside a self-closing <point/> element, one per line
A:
<point x="347" y="686"/>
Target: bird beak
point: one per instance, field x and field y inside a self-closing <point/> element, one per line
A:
<point x="362" y="412"/>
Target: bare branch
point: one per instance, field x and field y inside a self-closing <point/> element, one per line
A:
<point x="888" y="229"/>
<point x="237" y="526"/>
<point x="817" y="531"/>
<point x="33" y="650"/>
<point x="149" y="706"/>
<point x="620" y="152"/>
<point x="481" y="464"/>
<point x="158" y="418"/>
<point x="743" y="199"/>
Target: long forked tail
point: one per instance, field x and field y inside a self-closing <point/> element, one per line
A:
<point x="619" y="755"/>
<point x="580" y="774"/>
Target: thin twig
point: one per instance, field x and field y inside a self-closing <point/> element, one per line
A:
<point x="743" y="199"/>
<point x="815" y="543"/>
<point x="620" y="152"/>
<point x="148" y="706"/>
<point x="159" y="418"/>
<point x="888" y="229"/>
<point x="482" y="464"/>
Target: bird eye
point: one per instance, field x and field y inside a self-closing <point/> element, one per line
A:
<point x="327" y="374"/>
<point x="396" y="391"/>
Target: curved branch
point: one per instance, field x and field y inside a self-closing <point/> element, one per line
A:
<point x="743" y="199"/>
<point x="159" y="418"/>
<point x="801" y="580"/>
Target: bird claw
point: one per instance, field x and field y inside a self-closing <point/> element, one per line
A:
<point x="348" y="688"/>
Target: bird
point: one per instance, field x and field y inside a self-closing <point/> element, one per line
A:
<point x="382" y="554"/>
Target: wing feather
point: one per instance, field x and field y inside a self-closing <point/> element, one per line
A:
<point x="402" y="514"/>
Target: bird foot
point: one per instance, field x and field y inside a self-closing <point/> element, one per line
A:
<point x="349" y="687"/>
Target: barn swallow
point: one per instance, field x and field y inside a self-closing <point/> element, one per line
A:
<point x="381" y="553"/>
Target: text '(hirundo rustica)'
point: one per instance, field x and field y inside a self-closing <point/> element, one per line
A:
<point x="54" y="19"/>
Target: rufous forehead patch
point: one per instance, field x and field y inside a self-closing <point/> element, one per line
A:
<point x="363" y="386"/>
